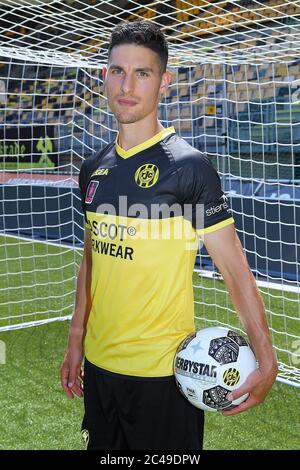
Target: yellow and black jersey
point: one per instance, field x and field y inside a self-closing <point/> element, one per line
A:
<point x="145" y="208"/>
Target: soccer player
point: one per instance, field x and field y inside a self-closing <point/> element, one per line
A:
<point x="134" y="298"/>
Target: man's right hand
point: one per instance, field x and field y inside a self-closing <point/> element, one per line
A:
<point x="71" y="372"/>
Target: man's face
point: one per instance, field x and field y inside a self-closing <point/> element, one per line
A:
<point x="134" y="82"/>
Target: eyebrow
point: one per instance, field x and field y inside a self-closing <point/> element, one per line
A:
<point x="139" y="69"/>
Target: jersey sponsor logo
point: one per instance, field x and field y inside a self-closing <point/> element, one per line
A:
<point x="112" y="231"/>
<point x="217" y="208"/>
<point x="101" y="172"/>
<point x="112" y="249"/>
<point x="146" y="175"/>
<point x="197" y="370"/>
<point x="91" y="190"/>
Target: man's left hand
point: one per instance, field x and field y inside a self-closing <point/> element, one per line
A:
<point x="257" y="385"/>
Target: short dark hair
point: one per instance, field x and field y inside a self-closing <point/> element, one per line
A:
<point x="143" y="33"/>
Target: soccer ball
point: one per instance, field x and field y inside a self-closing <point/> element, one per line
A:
<point x="209" y="364"/>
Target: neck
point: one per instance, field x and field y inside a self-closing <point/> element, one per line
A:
<point x="134" y="134"/>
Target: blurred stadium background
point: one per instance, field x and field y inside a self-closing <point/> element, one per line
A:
<point x="235" y="96"/>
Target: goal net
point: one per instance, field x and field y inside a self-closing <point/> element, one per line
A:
<point x="235" y="96"/>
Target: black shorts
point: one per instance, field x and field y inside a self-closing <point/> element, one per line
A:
<point x="130" y="413"/>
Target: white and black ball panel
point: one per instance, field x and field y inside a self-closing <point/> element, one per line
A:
<point x="216" y="398"/>
<point x="224" y="350"/>
<point x="213" y="362"/>
<point x="240" y="340"/>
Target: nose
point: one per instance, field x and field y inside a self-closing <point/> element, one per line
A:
<point x="127" y="83"/>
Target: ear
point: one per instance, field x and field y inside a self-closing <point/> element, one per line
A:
<point x="104" y="71"/>
<point x="165" y="82"/>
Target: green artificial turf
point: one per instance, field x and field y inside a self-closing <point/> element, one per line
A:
<point x="35" y="412"/>
<point x="37" y="415"/>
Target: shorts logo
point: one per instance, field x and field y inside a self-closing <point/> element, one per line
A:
<point x="146" y="175"/>
<point x="93" y="185"/>
<point x="231" y="377"/>
<point x="85" y="436"/>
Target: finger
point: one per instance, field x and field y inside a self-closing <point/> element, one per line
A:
<point x="79" y="383"/>
<point x="77" y="390"/>
<point x="247" y="387"/>
<point x="245" y="405"/>
<point x="64" y="376"/>
<point x="73" y="374"/>
<point x="64" y="373"/>
<point x="69" y="392"/>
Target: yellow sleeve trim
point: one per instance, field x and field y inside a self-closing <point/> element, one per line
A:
<point x="215" y="227"/>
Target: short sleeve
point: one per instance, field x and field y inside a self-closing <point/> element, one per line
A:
<point x="83" y="181"/>
<point x="86" y="171"/>
<point x="206" y="205"/>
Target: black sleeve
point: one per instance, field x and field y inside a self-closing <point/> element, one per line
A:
<point x="207" y="206"/>
<point x="83" y="179"/>
<point x="87" y="168"/>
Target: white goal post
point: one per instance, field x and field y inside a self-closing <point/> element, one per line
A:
<point x="235" y="95"/>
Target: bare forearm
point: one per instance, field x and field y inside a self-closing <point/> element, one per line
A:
<point x="82" y="304"/>
<point x="248" y="303"/>
<point x="82" y="298"/>
<point x="71" y="371"/>
<point x="228" y="254"/>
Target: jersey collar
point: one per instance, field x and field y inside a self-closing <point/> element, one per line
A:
<point x="144" y="145"/>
